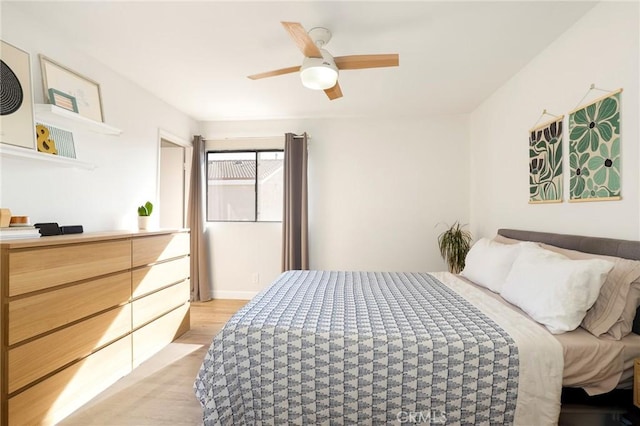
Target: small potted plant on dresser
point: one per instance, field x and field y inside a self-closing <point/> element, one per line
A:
<point x="454" y="244"/>
<point x="144" y="213"/>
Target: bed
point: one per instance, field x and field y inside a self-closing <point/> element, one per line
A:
<point x="346" y="347"/>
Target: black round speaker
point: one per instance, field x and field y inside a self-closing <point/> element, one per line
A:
<point x="11" y="95"/>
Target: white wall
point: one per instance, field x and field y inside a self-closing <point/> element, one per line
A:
<point x="602" y="48"/>
<point x="378" y="188"/>
<point x="126" y="173"/>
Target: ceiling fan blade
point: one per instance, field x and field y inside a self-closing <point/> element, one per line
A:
<point x="302" y="39"/>
<point x="274" y="73"/>
<point x="356" y="62"/>
<point x="334" y="93"/>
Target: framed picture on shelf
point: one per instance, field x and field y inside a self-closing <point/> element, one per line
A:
<point x="51" y="138"/>
<point x="16" y="108"/>
<point x="63" y="100"/>
<point x="70" y="84"/>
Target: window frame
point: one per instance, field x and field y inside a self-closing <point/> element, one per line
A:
<point x="255" y="182"/>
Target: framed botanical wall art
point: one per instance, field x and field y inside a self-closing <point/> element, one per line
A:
<point x="594" y="150"/>
<point x="16" y="107"/>
<point x="85" y="91"/>
<point x="545" y="163"/>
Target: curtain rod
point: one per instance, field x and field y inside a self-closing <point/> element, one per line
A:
<point x="244" y="138"/>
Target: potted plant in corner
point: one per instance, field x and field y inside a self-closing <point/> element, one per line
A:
<point x="454" y="244"/>
<point x="143" y="215"/>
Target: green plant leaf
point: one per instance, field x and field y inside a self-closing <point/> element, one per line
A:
<point x="454" y="243"/>
<point x="146" y="209"/>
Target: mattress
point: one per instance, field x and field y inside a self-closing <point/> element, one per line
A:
<point x="369" y="348"/>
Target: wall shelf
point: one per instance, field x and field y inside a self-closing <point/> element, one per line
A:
<point x="69" y="120"/>
<point x="10" y="151"/>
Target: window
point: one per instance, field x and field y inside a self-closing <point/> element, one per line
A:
<point x="245" y="186"/>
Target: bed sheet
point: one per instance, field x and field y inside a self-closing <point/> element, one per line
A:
<point x="596" y="364"/>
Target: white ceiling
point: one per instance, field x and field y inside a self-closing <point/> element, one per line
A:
<point x="196" y="55"/>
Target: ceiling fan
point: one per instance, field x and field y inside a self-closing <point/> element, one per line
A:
<point x="319" y="70"/>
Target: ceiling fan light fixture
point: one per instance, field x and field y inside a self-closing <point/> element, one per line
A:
<point x="319" y="73"/>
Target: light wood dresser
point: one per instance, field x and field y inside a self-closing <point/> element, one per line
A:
<point x="78" y="312"/>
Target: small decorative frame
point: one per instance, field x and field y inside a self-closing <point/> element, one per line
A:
<point x="594" y="150"/>
<point x="63" y="100"/>
<point x="62" y="140"/>
<point x="16" y="109"/>
<point x="85" y="91"/>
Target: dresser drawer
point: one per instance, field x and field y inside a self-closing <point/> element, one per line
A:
<point x="41" y="268"/>
<point x="156" y="304"/>
<point x="40" y="357"/>
<point x="37" y="314"/>
<point x="53" y="399"/>
<point x="147" y="250"/>
<point x="148" y="279"/>
<point x="151" y="338"/>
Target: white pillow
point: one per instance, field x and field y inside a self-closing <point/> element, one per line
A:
<point x="488" y="262"/>
<point x="553" y="289"/>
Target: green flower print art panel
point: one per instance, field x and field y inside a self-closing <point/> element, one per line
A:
<point x="594" y="150"/>
<point x="545" y="163"/>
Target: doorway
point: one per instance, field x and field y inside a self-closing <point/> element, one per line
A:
<point x="174" y="169"/>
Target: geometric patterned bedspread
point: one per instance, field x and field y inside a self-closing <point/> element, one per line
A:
<point x="359" y="348"/>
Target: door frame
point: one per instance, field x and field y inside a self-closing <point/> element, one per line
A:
<point x="186" y="166"/>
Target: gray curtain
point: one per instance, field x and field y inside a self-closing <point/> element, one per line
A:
<point x="295" y="244"/>
<point x="200" y="259"/>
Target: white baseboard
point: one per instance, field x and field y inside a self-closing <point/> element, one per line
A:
<point x="241" y="295"/>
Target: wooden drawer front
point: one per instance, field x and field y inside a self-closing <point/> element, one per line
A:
<point x="151" y="278"/>
<point x="42" y="356"/>
<point x="147" y="250"/>
<point x="55" y="398"/>
<point x="34" y="315"/>
<point x="154" y="305"/>
<point x="154" y="336"/>
<point x="38" y="269"/>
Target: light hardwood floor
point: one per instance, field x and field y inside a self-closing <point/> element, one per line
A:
<point x="160" y="390"/>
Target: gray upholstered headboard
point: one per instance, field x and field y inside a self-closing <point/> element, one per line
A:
<point x="605" y="246"/>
